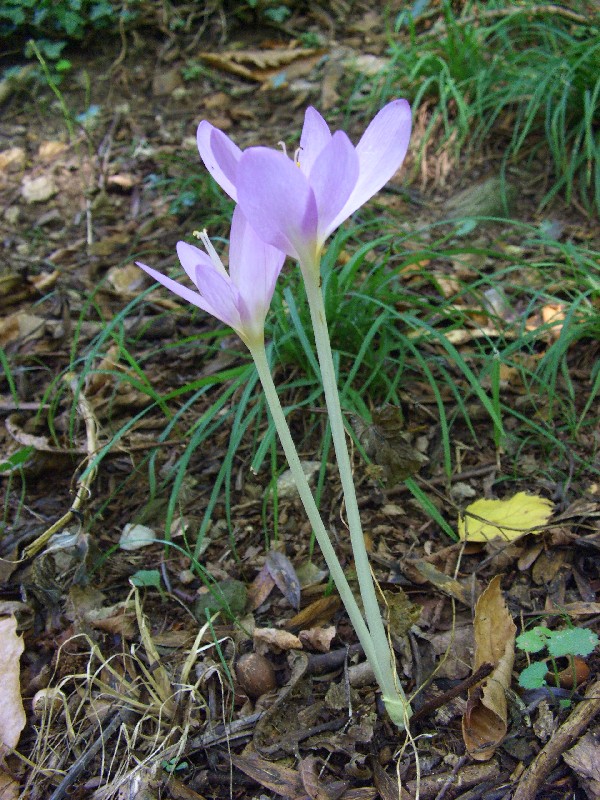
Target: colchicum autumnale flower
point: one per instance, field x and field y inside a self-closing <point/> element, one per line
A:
<point x="240" y="298"/>
<point x="295" y="205"/>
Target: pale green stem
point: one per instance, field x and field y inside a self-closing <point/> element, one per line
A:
<point x="335" y="569"/>
<point x="393" y="694"/>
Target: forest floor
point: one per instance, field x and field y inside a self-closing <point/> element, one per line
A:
<point x="128" y="690"/>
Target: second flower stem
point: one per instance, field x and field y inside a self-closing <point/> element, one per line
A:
<point x="335" y="569"/>
<point x="393" y="694"/>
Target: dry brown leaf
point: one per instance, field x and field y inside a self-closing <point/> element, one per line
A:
<point x="444" y="582"/>
<point x="260" y="588"/>
<point x="260" y="65"/>
<point x="12" y="713"/>
<point x="312" y="781"/>
<point x="283" y="573"/>
<point x="273" y="775"/>
<point x="318" y="638"/>
<point x="267" y="639"/>
<point x="126" y="281"/>
<point x="584" y="759"/>
<point x="402" y="613"/>
<point x="579" y="609"/>
<point x="21" y="326"/>
<point x="122" y="182"/>
<point x="388" y="445"/>
<point x="48" y="151"/>
<point x="12" y="160"/>
<point x="389" y="788"/>
<point x="9" y="788"/>
<point x="317" y="612"/>
<point x="485" y="721"/>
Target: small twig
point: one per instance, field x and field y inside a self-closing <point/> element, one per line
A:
<point x="84" y="759"/>
<point x="450" y="780"/>
<point x="83" y="489"/>
<point x="494" y="13"/>
<point x="223" y="733"/>
<point x="441" y="700"/>
<point x="571" y="729"/>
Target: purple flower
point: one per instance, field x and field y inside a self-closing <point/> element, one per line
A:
<point x="240" y="298"/>
<point x="295" y="205"/>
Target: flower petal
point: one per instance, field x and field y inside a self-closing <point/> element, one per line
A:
<point x="220" y="294"/>
<point x="220" y="156"/>
<point x="278" y="202"/>
<point x="177" y="288"/>
<point x="253" y="265"/>
<point x="381" y="152"/>
<point x="332" y="179"/>
<point x="314" y="138"/>
<point x="190" y="257"/>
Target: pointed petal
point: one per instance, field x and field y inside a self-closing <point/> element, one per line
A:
<point x="380" y="153"/>
<point x="315" y="137"/>
<point x="276" y="199"/>
<point x="220" y="295"/>
<point x="332" y="179"/>
<point x="189" y="257"/>
<point x="177" y="288"/>
<point x="220" y="156"/>
<point x="253" y="265"/>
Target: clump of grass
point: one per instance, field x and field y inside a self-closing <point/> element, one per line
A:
<point x="409" y="315"/>
<point x="529" y="80"/>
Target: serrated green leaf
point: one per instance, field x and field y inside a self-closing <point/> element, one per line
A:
<point x="534" y="640"/>
<point x="572" y="642"/>
<point x="534" y="676"/>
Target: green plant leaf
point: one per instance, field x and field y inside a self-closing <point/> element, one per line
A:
<point x="534" y="676"/>
<point x="534" y="640"/>
<point x="147" y="577"/>
<point x="18" y="458"/>
<point x="572" y="642"/>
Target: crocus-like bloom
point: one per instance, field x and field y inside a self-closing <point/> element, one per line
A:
<point x="240" y="298"/>
<point x="295" y="205"/>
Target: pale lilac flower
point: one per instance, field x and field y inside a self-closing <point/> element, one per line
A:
<point x="240" y="298"/>
<point x="295" y="205"/>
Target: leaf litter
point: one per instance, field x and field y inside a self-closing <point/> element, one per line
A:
<point x="149" y="679"/>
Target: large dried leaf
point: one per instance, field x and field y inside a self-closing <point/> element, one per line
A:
<point x="388" y="445"/>
<point x="485" y="721"/>
<point x="12" y="713"/>
<point x="283" y="573"/>
<point x="9" y="788"/>
<point x="263" y="65"/>
<point x="274" y="776"/>
<point x="402" y="613"/>
<point x="484" y="520"/>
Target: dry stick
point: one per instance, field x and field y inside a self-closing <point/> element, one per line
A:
<point x="491" y="13"/>
<point x="84" y="759"/>
<point x="441" y="700"/>
<point x="83" y="489"/>
<point x="569" y="731"/>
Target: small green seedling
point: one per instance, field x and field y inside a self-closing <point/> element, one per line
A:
<point x="569" y="642"/>
<point x="146" y="578"/>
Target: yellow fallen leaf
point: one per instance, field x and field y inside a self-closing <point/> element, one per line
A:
<point x="488" y="519"/>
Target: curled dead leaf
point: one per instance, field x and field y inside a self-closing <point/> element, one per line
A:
<point x="318" y="638"/>
<point x="267" y="639"/>
<point x="485" y="721"/>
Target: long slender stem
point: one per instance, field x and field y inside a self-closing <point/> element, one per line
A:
<point x="393" y="694"/>
<point x="362" y="631"/>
